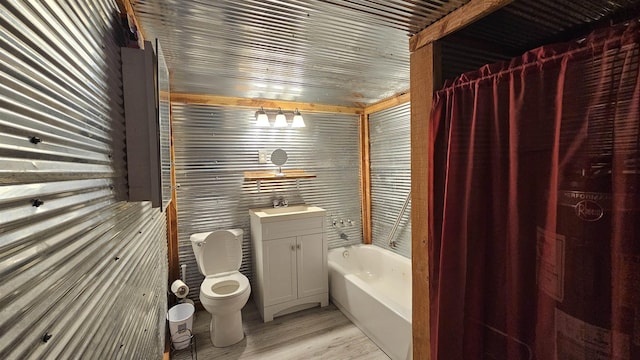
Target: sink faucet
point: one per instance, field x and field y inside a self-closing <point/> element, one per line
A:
<point x="282" y="202"/>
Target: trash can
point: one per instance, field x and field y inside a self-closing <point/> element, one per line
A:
<point x="180" y="325"/>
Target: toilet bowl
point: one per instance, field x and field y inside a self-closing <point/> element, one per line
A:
<point x="224" y="291"/>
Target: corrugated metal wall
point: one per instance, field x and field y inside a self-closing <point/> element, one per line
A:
<point x="82" y="274"/>
<point x="390" y="146"/>
<point x="215" y="145"/>
<point x="459" y="58"/>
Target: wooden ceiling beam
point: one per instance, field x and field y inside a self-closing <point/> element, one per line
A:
<point x="126" y="7"/>
<point x="388" y="103"/>
<point x="204" y="99"/>
<point x="456" y="20"/>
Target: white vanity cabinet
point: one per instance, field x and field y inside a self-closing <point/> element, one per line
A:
<point x="289" y="259"/>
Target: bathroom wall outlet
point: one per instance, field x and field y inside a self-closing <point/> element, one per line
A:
<point x="263" y="156"/>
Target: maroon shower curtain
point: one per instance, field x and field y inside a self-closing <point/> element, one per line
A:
<point x="535" y="205"/>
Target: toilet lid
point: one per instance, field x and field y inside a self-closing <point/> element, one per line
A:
<point x="209" y="283"/>
<point x="222" y="252"/>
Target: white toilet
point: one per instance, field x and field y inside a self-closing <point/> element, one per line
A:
<point x="224" y="291"/>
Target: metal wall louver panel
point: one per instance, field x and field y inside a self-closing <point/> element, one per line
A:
<point x="390" y="157"/>
<point x="82" y="274"/>
<point x="215" y="145"/>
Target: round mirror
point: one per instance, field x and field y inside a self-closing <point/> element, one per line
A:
<point x="279" y="157"/>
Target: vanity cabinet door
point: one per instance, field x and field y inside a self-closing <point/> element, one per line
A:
<point x="312" y="265"/>
<point x="280" y="283"/>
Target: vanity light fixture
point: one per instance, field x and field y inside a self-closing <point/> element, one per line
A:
<point x="280" y="120"/>
<point x="298" y="121"/>
<point x="262" y="120"/>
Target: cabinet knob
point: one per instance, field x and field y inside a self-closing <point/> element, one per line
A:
<point x="299" y="246"/>
<point x="293" y="248"/>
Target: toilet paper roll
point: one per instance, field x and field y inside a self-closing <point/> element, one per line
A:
<point x="180" y="289"/>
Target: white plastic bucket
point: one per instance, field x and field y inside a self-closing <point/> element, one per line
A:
<point x="180" y="324"/>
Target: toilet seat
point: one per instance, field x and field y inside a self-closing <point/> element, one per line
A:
<point x="228" y="286"/>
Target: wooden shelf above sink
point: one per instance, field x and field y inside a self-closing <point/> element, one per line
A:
<point x="271" y="175"/>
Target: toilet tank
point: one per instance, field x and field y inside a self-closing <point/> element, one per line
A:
<point x="196" y="245"/>
<point x="218" y="251"/>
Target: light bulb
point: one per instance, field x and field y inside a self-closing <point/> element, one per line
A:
<point x="281" y="120"/>
<point x="262" y="119"/>
<point x="298" y="121"/>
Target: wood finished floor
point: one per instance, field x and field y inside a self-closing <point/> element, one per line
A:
<point x="318" y="333"/>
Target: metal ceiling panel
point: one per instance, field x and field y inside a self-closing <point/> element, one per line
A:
<point x="527" y="24"/>
<point x="342" y="52"/>
<point x="332" y="52"/>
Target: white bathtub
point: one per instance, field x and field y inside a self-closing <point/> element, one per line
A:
<point x="372" y="287"/>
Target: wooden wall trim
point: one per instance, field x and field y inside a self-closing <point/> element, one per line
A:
<point x="365" y="158"/>
<point x="126" y="7"/>
<point x="388" y="103"/>
<point x="207" y="99"/>
<point x="365" y="178"/>
<point x="172" y="217"/>
<point x="456" y="20"/>
<point x="425" y="78"/>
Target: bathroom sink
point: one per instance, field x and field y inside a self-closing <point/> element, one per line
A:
<point x="286" y="210"/>
<point x="287" y="213"/>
